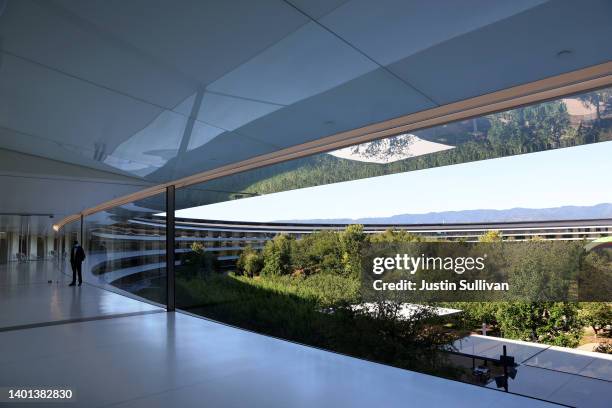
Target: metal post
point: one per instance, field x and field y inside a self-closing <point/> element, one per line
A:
<point x="170" y="297"/>
<point x="82" y="237"/>
<point x="505" y="370"/>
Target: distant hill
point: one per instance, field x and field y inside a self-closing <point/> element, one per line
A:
<point x="472" y="216"/>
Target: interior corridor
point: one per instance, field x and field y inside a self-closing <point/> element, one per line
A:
<point x="36" y="294"/>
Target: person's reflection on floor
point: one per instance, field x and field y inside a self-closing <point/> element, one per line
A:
<point x="75" y="305"/>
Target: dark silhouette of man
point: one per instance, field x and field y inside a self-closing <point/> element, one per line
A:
<point x="77" y="256"/>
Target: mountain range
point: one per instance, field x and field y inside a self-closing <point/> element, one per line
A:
<point x="477" y="216"/>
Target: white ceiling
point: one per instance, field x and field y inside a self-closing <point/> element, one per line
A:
<point x="157" y="90"/>
<point x="33" y="185"/>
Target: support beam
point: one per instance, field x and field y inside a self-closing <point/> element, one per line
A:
<point x="170" y="299"/>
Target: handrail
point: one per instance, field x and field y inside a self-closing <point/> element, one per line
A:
<point x="582" y="80"/>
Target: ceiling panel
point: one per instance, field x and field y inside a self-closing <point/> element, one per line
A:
<point x="516" y="50"/>
<point x="226" y="148"/>
<point x="203" y="39"/>
<point x="391" y="30"/>
<point x="52" y="106"/>
<point x="47" y="34"/>
<point x="317" y="8"/>
<point x="305" y="63"/>
<point x="373" y="97"/>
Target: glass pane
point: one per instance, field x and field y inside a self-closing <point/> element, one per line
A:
<point x="126" y="249"/>
<point x="67" y="235"/>
<point x="279" y="250"/>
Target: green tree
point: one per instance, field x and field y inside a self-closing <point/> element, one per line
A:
<point x="476" y="313"/>
<point x="490" y="236"/>
<point x="318" y="252"/>
<point x="353" y="240"/>
<point x="555" y="323"/>
<point x="277" y="254"/>
<point x="595" y="279"/>
<point x="198" y="261"/>
<point x="596" y="314"/>
<point x="250" y="262"/>
<point x="391" y="236"/>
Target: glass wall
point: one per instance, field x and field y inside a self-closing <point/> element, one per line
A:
<point x="280" y="250"/>
<point x="65" y="237"/>
<point x="126" y="249"/>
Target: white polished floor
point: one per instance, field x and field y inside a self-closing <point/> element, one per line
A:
<point x="26" y="297"/>
<point x="176" y="360"/>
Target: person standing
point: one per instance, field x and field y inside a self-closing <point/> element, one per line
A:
<point x="77" y="256"/>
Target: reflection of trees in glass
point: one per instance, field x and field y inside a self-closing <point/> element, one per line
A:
<point x="523" y="130"/>
<point x="384" y="147"/>
<point x="600" y="100"/>
<point x="528" y="129"/>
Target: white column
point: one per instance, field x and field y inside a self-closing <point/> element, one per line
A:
<point x="13" y="245"/>
<point x="49" y="246"/>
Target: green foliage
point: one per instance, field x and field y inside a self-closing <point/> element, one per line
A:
<point x="555" y="323"/>
<point x="250" y="262"/>
<point x="530" y="128"/>
<point x="544" y="270"/>
<point x="315" y="310"/>
<point x="476" y="313"/>
<point x="595" y="99"/>
<point x="391" y="236"/>
<point x="598" y="315"/>
<point x="198" y="261"/>
<point x="353" y="240"/>
<point x="595" y="280"/>
<point x="309" y="291"/>
<point x="318" y="252"/>
<point x="490" y="236"/>
<point x="277" y="255"/>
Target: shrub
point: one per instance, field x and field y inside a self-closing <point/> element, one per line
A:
<point x="598" y="315"/>
<point x="555" y="323"/>
<point x="250" y="262"/>
<point x="490" y="236"/>
<point x="605" y="348"/>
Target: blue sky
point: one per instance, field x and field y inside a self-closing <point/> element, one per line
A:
<point x="571" y="176"/>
